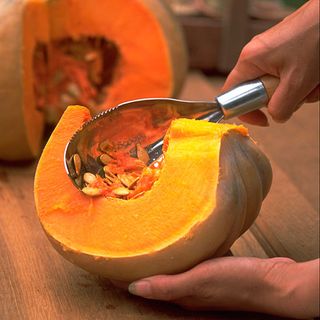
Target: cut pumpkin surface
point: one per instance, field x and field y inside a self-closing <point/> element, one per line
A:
<point x="209" y="191"/>
<point x="143" y="62"/>
<point x="94" y="52"/>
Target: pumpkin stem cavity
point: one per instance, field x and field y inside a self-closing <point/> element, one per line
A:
<point x="72" y="71"/>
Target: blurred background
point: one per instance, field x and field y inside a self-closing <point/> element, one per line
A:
<point x="217" y="30"/>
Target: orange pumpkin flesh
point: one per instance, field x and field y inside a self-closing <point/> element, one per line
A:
<point x="190" y="213"/>
<point x="151" y="58"/>
<point x="144" y="68"/>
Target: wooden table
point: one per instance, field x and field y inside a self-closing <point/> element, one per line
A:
<point x="36" y="283"/>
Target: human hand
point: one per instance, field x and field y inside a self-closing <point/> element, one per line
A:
<point x="289" y="51"/>
<point x="243" y="284"/>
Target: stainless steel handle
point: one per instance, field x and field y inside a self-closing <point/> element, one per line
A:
<point x="246" y="97"/>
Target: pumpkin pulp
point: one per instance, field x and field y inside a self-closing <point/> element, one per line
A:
<point x="70" y="71"/>
<point x="116" y="164"/>
<point x="122" y="175"/>
<point x="87" y="58"/>
<point x="183" y="196"/>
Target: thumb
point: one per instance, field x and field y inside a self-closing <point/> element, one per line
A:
<point x="162" y="287"/>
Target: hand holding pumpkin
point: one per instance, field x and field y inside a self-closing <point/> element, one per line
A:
<point x="288" y="51"/>
<point x="277" y="286"/>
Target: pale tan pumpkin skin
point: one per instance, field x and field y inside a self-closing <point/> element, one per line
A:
<point x="21" y="125"/>
<point x="20" y="134"/>
<point x="244" y="181"/>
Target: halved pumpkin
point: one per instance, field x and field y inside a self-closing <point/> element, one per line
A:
<point x="96" y="52"/>
<point x="209" y="192"/>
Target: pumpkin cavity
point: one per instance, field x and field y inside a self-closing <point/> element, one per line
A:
<point x="123" y="174"/>
<point x="73" y="71"/>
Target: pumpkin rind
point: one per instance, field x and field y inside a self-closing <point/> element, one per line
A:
<point x="21" y="125"/>
<point x="24" y="23"/>
<point x="229" y="207"/>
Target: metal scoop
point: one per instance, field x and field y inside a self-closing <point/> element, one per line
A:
<point x="146" y="121"/>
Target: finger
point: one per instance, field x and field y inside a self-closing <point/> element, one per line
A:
<point x="287" y="97"/>
<point x="297" y="107"/>
<point x="282" y="259"/>
<point x="242" y="72"/>
<point x="163" y="287"/>
<point x="256" y="117"/>
<point x="175" y="287"/>
<point x="314" y="95"/>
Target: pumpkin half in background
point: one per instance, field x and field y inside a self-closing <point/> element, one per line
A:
<point x="93" y="52"/>
<point x="209" y="191"/>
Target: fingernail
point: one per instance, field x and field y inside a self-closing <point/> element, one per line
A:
<point x="140" y="288"/>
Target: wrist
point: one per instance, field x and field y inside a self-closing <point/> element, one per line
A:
<point x="304" y="298"/>
<point x="290" y="289"/>
<point x="270" y="291"/>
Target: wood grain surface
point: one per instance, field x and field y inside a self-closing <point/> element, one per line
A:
<point x="36" y="283"/>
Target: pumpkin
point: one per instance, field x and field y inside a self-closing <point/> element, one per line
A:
<point x="209" y="191"/>
<point x="97" y="52"/>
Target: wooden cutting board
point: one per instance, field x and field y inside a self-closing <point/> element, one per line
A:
<point x="36" y="283"/>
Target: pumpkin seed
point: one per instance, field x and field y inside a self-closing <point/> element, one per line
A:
<point x="73" y="90"/>
<point x="89" y="178"/>
<point x="90" y="56"/>
<point x="138" y="195"/>
<point x="133" y="183"/>
<point x="105" y="146"/>
<point x="127" y="180"/>
<point x="77" y="163"/>
<point x="110" y="178"/>
<point x="124" y="179"/>
<point x="142" y="154"/>
<point x="66" y="99"/>
<point x="109" y="173"/>
<point x="121" y="191"/>
<point x="108" y="181"/>
<point x="70" y="164"/>
<point x="95" y="69"/>
<point x="93" y="192"/>
<point x="105" y="158"/>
